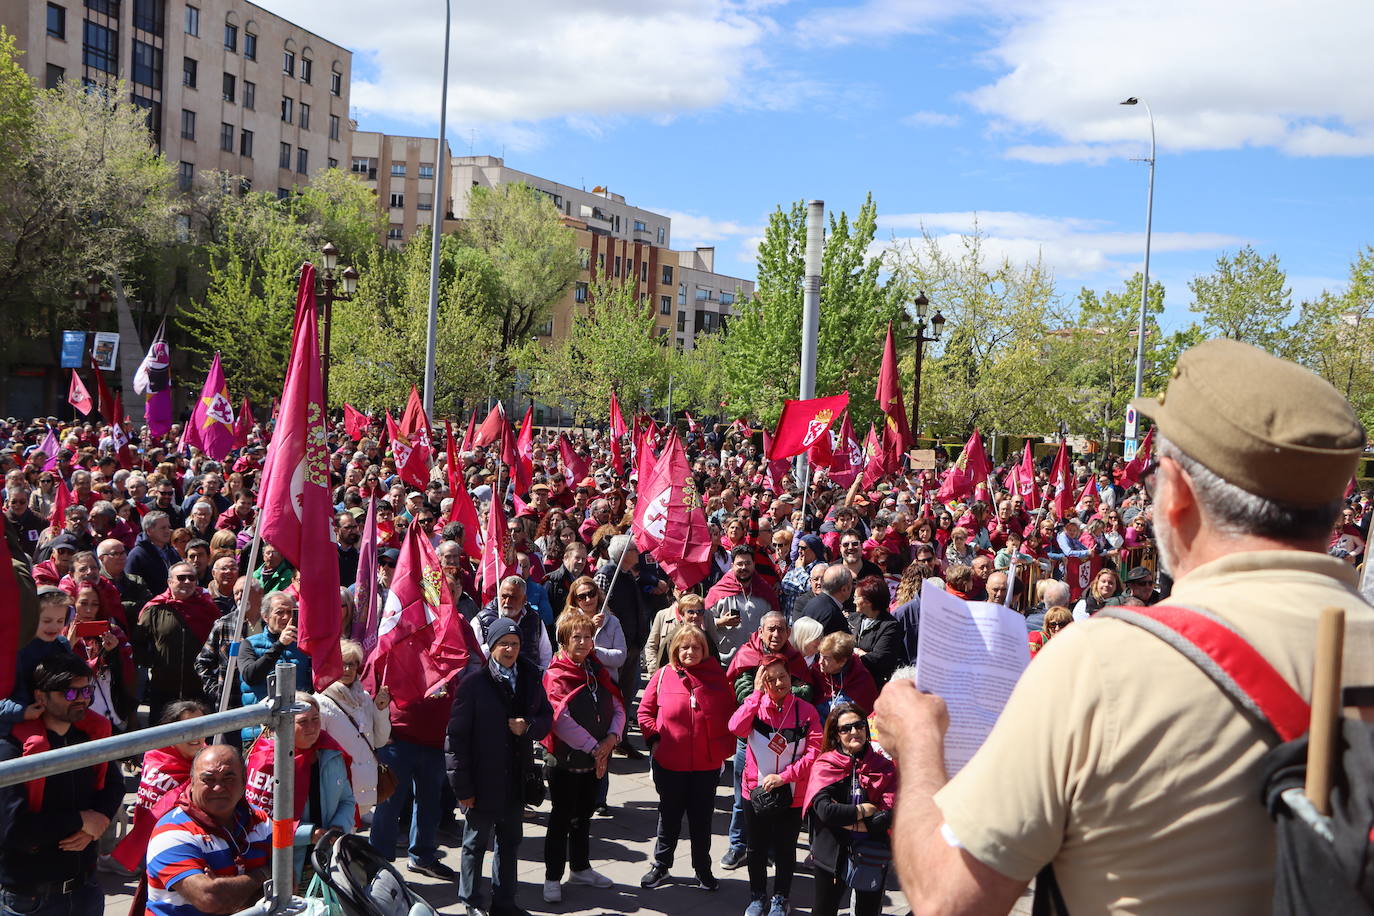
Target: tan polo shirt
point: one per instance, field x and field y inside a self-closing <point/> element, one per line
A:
<point x="1124" y="764"/>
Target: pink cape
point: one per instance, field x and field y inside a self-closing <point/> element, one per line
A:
<point x="877" y="775"/>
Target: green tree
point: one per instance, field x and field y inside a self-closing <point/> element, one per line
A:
<point x="522" y="234"/>
<point x="1099" y="355"/>
<point x="611" y="346"/>
<point x="763" y="344"/>
<point x="1334" y="336"/>
<point x="699" y="378"/>
<point x="1245" y="298"/>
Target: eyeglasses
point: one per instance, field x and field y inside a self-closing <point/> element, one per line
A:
<point x="184" y="577"/>
<point x="848" y="727"/>
<point x="1056" y="626"/>
<point x="71" y="694"/>
<point x="585" y="595"/>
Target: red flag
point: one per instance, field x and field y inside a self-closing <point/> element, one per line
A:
<point x="575" y="467"/>
<point x="822" y="453"/>
<point x="365" y="590"/>
<point x="243" y="424"/>
<point x="1090" y="489"/>
<point x="490" y="430"/>
<point x="415" y="427"/>
<point x="691" y="423"/>
<point x="211" y="427"/>
<point x="77" y="395"/>
<point x="617" y="456"/>
<point x="773" y="468"/>
<point x="520" y="470"/>
<point x="849" y="455"/>
<point x="890" y="398"/>
<point x="422" y="640"/>
<point x="9" y="620"/>
<point x="408" y="463"/>
<point x="802" y="423"/>
<point x="117" y="434"/>
<point x="471" y="431"/>
<point x="617" y="418"/>
<point x="967" y="473"/>
<point x="497" y="562"/>
<point x="296" y="506"/>
<point x="673" y="523"/>
<point x="355" y="422"/>
<point x="1135" y="468"/>
<point x="461" y="509"/>
<point x="1061" y="475"/>
<point x="105" y="401"/>
<point x="524" y="447"/>
<point x="1021" y="479"/>
<point x="61" y="502"/>
<point x="875" y="458"/>
<point x="1079" y="573"/>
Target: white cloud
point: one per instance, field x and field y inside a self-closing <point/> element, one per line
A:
<point x="691" y="229"/>
<point x="537" y="59"/>
<point x="931" y="119"/>
<point x="874" y="20"/>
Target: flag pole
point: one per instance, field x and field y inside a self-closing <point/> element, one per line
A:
<point x="236" y="628"/>
<point x="806" y="489"/>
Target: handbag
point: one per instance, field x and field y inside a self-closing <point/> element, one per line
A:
<point x="869" y="860"/>
<point x="771" y="801"/>
<point x="534" y="787"/>
<point x="320" y="899"/>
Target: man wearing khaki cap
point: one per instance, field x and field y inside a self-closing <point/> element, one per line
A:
<point x="1117" y="761"/>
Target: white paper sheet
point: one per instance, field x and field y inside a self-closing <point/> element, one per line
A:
<point x="970" y="654"/>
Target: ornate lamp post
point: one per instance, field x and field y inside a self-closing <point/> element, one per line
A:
<point x="936" y="325"/>
<point x="329" y="293"/>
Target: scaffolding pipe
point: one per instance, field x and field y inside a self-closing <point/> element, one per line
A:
<point x="280" y="889"/>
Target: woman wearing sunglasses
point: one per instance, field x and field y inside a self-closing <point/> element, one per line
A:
<point x="849" y="799"/>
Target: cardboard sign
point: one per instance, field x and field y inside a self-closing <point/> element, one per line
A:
<point x="922" y="459"/>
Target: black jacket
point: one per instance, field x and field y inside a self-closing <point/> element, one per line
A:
<point x="826" y="611"/>
<point x="832" y="814"/>
<point x="485" y="760"/>
<point x="558" y="583"/>
<point x="881" y="639"/>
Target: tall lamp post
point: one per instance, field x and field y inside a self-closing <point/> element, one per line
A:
<point x="937" y="325"/>
<point x="329" y="256"/>
<point x="1149" y="219"/>
<point x="437" y="223"/>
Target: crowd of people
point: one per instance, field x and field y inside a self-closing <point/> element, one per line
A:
<point x="765" y="674"/>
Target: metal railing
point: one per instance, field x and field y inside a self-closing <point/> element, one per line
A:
<point x="277" y="711"/>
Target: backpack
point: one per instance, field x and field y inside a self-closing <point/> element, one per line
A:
<point x="1324" y="864"/>
<point x="363" y="882"/>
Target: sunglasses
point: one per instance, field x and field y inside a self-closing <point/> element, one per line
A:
<point x="585" y="595"/>
<point x="71" y="694"/>
<point x="852" y="727"/>
<point x="1057" y="626"/>
<point x="185" y="578"/>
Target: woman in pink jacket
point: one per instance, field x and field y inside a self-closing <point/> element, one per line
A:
<point x="782" y="736"/>
<point x="684" y="716"/>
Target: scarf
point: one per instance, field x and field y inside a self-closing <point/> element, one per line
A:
<point x="260" y="765"/>
<point x="565" y="679"/>
<point x="197" y="613"/>
<point x="165" y="774"/>
<point x="729" y="585"/>
<point x="33" y="739"/>
<point x="752" y="653"/>
<point x="876" y="774"/>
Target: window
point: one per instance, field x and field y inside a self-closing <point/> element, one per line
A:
<point x="545" y="329"/>
<point x="727" y="298"/>
<point x="104" y="7"/>
<point x="667" y="274"/>
<point x="57" y="21"/>
<point x="245" y="184"/>
<point x="148" y="16"/>
<point x="424" y="201"/>
<point x="250" y="95"/>
<point x="283" y="193"/>
<point x="336" y="83"/>
<point x="246" y="143"/>
<point x="395" y="233"/>
<point x="426" y="170"/>
<point x="147" y="65"/>
<point x="361" y="164"/>
<point x="682" y="294"/>
<point x="250" y="46"/>
<point x="231" y="37"/>
<point x="662" y="234"/>
<point x="286" y="104"/>
<point x="188" y="72"/>
<point x="617" y="265"/>
<point x="52" y="76"/>
<point x="153" y="118"/>
<point x="229" y="83"/>
<point x="307" y="68"/>
<point x="100" y="48"/>
<point x="188" y="124"/>
<point x="226" y="137"/>
<point x="580" y="292"/>
<point x="703" y="294"/>
<point x="398" y="170"/>
<point x="601" y="263"/>
<point x="665" y="305"/>
<point x="192" y="20"/>
<point x="305" y="116"/>
<point x="333" y="127"/>
<point x="662" y="332"/>
<point x="333" y="163"/>
<point x="302" y="161"/>
<point x="185" y="174"/>
<point x="643" y="271"/>
<point x="682" y="321"/>
<point x="398" y="199"/>
<point x="288" y="63"/>
<point x="284" y="157"/>
<point x="641" y="226"/>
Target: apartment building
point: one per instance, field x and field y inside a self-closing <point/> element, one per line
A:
<point x="228" y="85"/>
<point x="401" y="172"/>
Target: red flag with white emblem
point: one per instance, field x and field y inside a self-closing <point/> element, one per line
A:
<point x="77" y="395"/>
<point x="803" y="423"/>
<point x="673" y="521"/>
<point x="848" y="462"/>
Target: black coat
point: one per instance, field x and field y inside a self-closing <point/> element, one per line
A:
<point x="485" y="760"/>
<point x="826" y="611"/>
<point x="882" y="643"/>
<point x="832" y="813"/>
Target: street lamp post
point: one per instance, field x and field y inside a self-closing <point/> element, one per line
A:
<point x="329" y="256"/>
<point x="1145" y="281"/>
<point x="437" y="224"/>
<point x="93" y="299"/>
<point x="937" y="325"/>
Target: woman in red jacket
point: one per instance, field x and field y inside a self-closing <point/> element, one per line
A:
<point x="684" y="716"/>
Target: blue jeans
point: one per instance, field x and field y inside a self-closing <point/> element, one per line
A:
<point x="86" y="900"/>
<point x="738" y="832"/>
<point x="477" y="830"/>
<point x="419" y="777"/>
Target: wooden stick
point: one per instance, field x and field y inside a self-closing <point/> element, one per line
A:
<point x="1326" y="707"/>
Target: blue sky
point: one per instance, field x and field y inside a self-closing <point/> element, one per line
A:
<point x="717" y="111"/>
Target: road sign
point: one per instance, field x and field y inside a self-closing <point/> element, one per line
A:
<point x="1131" y="422"/>
<point x="1131" y="446"/>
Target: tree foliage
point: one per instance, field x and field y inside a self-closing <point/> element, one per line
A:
<point x="1334" y="336"/>
<point x="535" y="256"/>
<point x="1245" y="298"/>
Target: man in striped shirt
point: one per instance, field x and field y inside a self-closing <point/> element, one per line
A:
<point x="209" y="853"/>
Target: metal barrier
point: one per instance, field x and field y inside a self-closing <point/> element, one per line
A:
<point x="278" y="711"/>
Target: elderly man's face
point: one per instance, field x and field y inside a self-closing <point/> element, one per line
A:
<point x="225" y="571"/>
<point x="182" y="580"/>
<point x="773" y="633"/>
<point x="85" y="570"/>
<point x="217" y="783"/>
<point x="997" y="588"/>
<point x="575" y="559"/>
<point x="982" y="568"/>
<point x="201" y="515"/>
<point x="17" y="503"/>
<point x="511" y="598"/>
<point x="450" y="555"/>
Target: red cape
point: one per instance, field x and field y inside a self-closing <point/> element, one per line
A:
<point x="564" y="679"/>
<point x="752" y="653"/>
<point x="165" y="774"/>
<point x="260" y="761"/>
<point x="729" y="585"/>
<point x="877" y="775"/>
<point x="856" y="683"/>
<point x="198" y="612"/>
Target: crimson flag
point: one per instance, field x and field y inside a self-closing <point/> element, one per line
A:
<point x="1021" y="479"/>
<point x="422" y="641"/>
<point x="355" y="422"/>
<point x="575" y="467"/>
<point x="617" y="418"/>
<point x="1090" y="489"/>
<point x="117" y="434"/>
<point x="890" y="398"/>
<point x="408" y="463"/>
<point x="297" y="509"/>
<point x="875" y="457"/>
<point x="691" y="423"/>
<point x="1061" y="475"/>
<point x="964" y="476"/>
<point x="243" y="424"/>
<point x="802" y="423"/>
<point x="822" y="453"/>
<point x="365" y="589"/>
<point x="105" y="400"/>
<point x="848" y="462"/>
<point x="490" y="430"/>
<point x="469" y="433"/>
<point x="1079" y="573"/>
<point x="9" y="620"/>
<point x="520" y="470"/>
<point x="211" y="428"/>
<point x="773" y="468"/>
<point x="1135" y="468"/>
<point x="61" y="502"/>
<point x="497" y="562"/>
<point x="673" y="524"/>
<point x="77" y="395"/>
<point x="461" y="509"/>
<point x="524" y="450"/>
<point x="617" y="456"/>
<point x="415" y="427"/>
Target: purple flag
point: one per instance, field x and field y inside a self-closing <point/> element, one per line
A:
<point x="153" y="380"/>
<point x="365" y="616"/>
<point x="49" y="447"/>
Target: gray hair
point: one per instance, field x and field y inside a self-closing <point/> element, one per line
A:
<point x="513" y="580"/>
<point x="836" y="579"/>
<point x="152" y="518"/>
<point x="619" y="545"/>
<point x="274" y="598"/>
<point x="804" y="630"/>
<point x="1234" y="511"/>
<point x="1052" y="592"/>
<point x="102" y="507"/>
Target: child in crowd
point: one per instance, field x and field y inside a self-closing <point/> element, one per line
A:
<point x="53" y="608"/>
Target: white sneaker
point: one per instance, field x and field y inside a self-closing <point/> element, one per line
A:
<point x="553" y="892"/>
<point x="590" y="877"/>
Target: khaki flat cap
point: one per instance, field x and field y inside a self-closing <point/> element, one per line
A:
<point x="1265" y="424"/>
